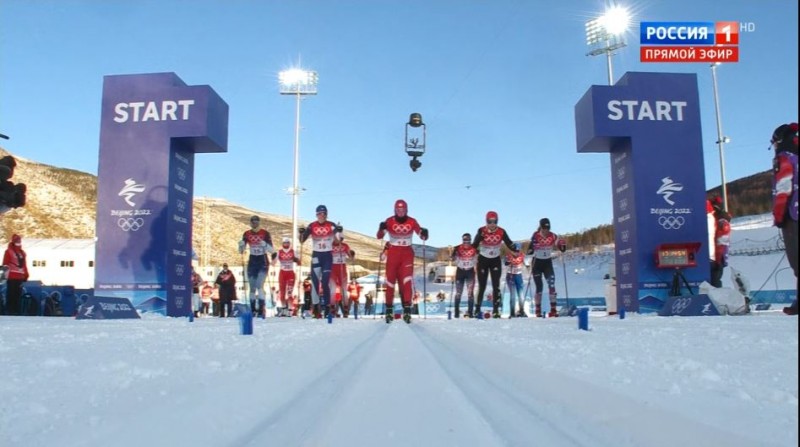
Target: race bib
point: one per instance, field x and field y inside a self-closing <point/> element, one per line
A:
<point x="491" y="251"/>
<point x="543" y="253"/>
<point x="466" y="264"/>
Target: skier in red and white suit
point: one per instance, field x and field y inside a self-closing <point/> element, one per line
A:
<point x="286" y="258"/>
<point x="543" y="245"/>
<point x="341" y="254"/>
<point x="400" y="256"/>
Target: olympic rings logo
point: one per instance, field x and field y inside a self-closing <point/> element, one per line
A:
<point x="671" y="222"/>
<point x="680" y="304"/>
<point x="130" y="223"/>
<point x="320" y="231"/>
<point x="492" y="239"/>
<point x="401" y="228"/>
<point x="432" y="307"/>
<point x="179" y="269"/>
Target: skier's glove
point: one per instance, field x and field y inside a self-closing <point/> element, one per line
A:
<point x="338" y="229"/>
<point x="274" y="255"/>
<point x="301" y="231"/>
<point x="562" y="246"/>
<point x="241" y="247"/>
<point x="530" y="251"/>
<point x="423" y="234"/>
<point x="352" y="254"/>
<point x="382" y="226"/>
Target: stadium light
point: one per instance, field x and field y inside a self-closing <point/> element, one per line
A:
<point x="605" y="35"/>
<point x="297" y="82"/>
<point x="721" y="140"/>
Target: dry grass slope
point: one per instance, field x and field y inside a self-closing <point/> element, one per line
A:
<point x="61" y="204"/>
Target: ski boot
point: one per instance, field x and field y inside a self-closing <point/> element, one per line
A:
<point x="522" y="314"/>
<point x="553" y="313"/>
<point x="316" y="312"/>
<point x="538" y="311"/>
<point x="457" y="313"/>
<point x="389" y="316"/>
<point x="478" y="313"/>
<point x="407" y="315"/>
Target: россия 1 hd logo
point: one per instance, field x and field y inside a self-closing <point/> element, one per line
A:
<point x="691" y="41"/>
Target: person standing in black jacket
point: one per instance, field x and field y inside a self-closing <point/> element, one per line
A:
<point x="227" y="291"/>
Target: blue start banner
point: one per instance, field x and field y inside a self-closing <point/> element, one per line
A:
<point x="688" y="306"/>
<point x="649" y="123"/>
<point x="106" y="308"/>
<point x="152" y="125"/>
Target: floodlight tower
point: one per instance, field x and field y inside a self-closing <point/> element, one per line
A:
<point x="605" y="35"/>
<point x="300" y="83"/>
<point x="721" y="140"/>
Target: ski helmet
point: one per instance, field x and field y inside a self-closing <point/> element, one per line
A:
<point x="466" y="237"/>
<point x="491" y="215"/>
<point x="322" y="209"/>
<point x="544" y="223"/>
<point x="785" y="137"/>
<point x="400" y="205"/>
<point x="286" y="241"/>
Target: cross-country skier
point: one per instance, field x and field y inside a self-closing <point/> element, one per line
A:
<point x="488" y="240"/>
<point x="515" y="265"/>
<point x="286" y="259"/>
<point x="341" y="255"/>
<point x="322" y="233"/>
<point x="400" y="256"/>
<point x="784" y="194"/>
<point x="259" y="242"/>
<point x="543" y="244"/>
<point x="465" y="257"/>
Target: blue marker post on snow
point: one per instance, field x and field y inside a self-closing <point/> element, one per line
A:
<point x="622" y="313"/>
<point x="583" y="319"/>
<point x="246" y="322"/>
<point x="449" y="314"/>
<point x="330" y="317"/>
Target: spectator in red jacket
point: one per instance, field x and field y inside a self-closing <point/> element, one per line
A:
<point x="722" y="240"/>
<point x="17" y="273"/>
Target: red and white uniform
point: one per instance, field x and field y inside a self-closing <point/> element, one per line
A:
<point x="466" y="256"/>
<point x="544" y="245"/>
<point x="322" y="236"/>
<point x="341" y="254"/>
<point x="516" y="264"/>
<point x="491" y="241"/>
<point x="399" y="256"/>
<point x="258" y="241"/>
<point x="286" y="277"/>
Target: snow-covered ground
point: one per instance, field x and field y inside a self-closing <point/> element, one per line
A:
<point x="640" y="381"/>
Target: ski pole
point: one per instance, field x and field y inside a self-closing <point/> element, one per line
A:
<point x="566" y="290"/>
<point x="424" y="281"/>
<point x="452" y="290"/>
<point x="244" y="276"/>
<point x="377" y="287"/>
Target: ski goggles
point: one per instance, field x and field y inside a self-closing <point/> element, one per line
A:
<point x="491" y="221"/>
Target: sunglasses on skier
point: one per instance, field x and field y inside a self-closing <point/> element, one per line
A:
<point x="491" y="221"/>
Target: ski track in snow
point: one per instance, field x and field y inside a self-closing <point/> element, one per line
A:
<point x="351" y="398"/>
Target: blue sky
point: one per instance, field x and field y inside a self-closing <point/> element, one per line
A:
<point x="496" y="82"/>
